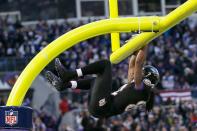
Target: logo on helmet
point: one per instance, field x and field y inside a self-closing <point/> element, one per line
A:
<point x="147" y="82"/>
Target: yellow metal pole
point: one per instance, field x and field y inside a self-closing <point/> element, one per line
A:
<point x="69" y="39"/>
<point x="143" y="39"/>
<point x="115" y="37"/>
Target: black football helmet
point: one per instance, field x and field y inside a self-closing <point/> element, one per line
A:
<point x="150" y="75"/>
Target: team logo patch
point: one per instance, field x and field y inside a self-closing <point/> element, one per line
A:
<point x="102" y="102"/>
<point x="11" y="117"/>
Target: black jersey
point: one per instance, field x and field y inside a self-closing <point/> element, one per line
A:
<point x="127" y="95"/>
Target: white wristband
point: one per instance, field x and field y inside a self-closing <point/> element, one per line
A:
<point x="79" y="72"/>
<point x="74" y="84"/>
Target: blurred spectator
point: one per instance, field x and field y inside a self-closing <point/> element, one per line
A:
<point x="64" y="106"/>
<point x="87" y="122"/>
<point x="168" y="80"/>
<point x="65" y="127"/>
<point x="2" y="101"/>
<point x="39" y="125"/>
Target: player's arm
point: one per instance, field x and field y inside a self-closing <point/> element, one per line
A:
<point x="131" y="68"/>
<point x="140" y="59"/>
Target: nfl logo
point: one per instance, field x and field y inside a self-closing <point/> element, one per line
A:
<point x="11" y="117"/>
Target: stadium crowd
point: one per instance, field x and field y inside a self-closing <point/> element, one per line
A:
<point x="174" y="54"/>
<point x="177" y="117"/>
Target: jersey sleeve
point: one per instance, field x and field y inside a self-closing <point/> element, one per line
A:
<point x="119" y="90"/>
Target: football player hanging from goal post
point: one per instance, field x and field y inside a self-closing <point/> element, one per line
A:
<point x="137" y="94"/>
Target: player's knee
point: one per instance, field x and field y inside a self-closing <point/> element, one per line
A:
<point x="106" y="64"/>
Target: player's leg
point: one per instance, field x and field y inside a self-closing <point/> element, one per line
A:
<point x="100" y="98"/>
<point x="83" y="84"/>
<point x="66" y="76"/>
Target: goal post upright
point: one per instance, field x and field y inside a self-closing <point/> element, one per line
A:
<point x="113" y="13"/>
<point x="167" y="22"/>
